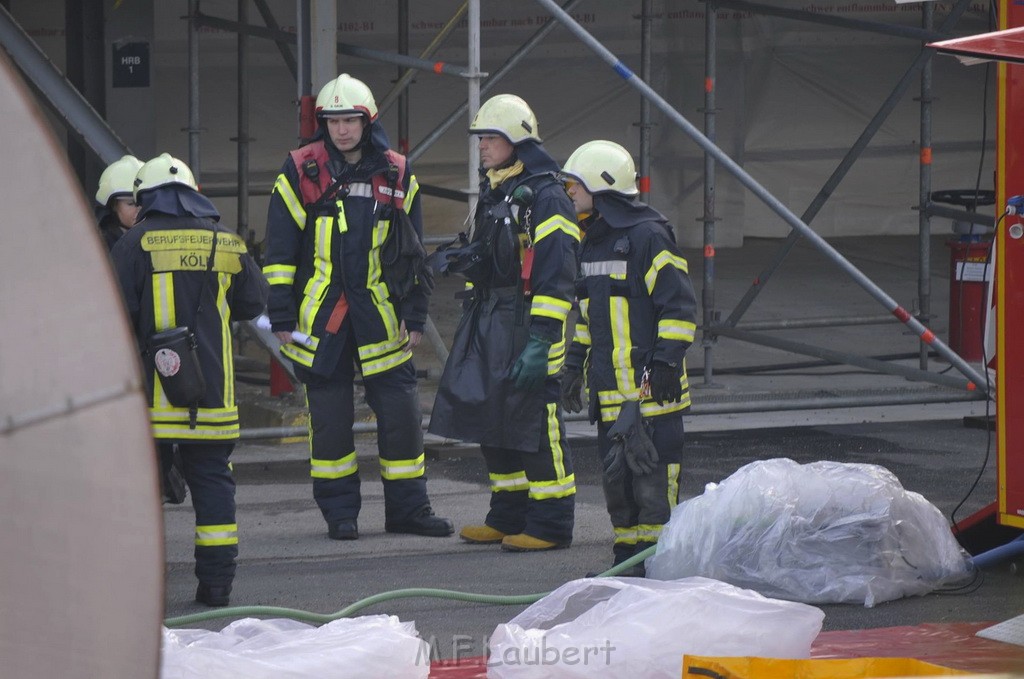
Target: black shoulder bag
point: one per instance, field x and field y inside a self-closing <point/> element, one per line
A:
<point x="174" y="354"/>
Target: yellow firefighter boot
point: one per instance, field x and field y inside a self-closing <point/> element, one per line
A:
<point x="481" y="535"/>
<point x="527" y="543"/>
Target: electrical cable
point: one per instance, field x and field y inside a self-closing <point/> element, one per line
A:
<point x="321" y="618"/>
<point x="988" y="389"/>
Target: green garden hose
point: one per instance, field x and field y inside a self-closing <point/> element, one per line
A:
<point x="321" y="618"/>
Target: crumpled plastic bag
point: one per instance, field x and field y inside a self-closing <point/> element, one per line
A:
<point x="825" y="532"/>
<point x="349" y="648"/>
<point x="606" y="628"/>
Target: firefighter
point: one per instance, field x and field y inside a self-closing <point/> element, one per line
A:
<point x="336" y="207"/>
<point x="116" y="209"/>
<point x="173" y="275"/>
<point x="500" y="386"/>
<point x="637" y="318"/>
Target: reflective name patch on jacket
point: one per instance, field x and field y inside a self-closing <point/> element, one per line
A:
<point x="189" y="250"/>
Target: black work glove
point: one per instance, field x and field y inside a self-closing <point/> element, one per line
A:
<point x="665" y="383"/>
<point x="630" y="444"/>
<point x="572" y="390"/>
<point x="531" y="368"/>
<point x="614" y="462"/>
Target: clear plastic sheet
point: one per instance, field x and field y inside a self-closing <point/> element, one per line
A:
<point x="605" y="628"/>
<point x="824" y="532"/>
<point x="350" y="648"/>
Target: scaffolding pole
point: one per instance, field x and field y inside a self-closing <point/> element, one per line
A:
<point x="242" y="228"/>
<point x="924" y="224"/>
<point x="279" y="36"/>
<point x="403" y="82"/>
<point x="975" y="382"/>
<point x="193" y="90"/>
<point x="487" y="85"/>
<point x="708" y="311"/>
<point x="645" y="106"/>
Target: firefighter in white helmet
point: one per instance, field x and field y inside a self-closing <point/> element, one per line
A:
<point x="500" y="387"/>
<point x="180" y="284"/>
<point x="341" y="273"/>
<point x="116" y="209"/>
<point x="637" y="319"/>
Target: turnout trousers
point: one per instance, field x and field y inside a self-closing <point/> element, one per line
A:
<point x="640" y="505"/>
<point x="534" y="492"/>
<point x="394" y="398"/>
<point x="205" y="466"/>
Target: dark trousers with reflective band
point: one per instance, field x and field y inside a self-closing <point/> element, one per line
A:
<point x="205" y="466"/>
<point x="640" y="505"/>
<point x="521" y="481"/>
<point x="394" y="398"/>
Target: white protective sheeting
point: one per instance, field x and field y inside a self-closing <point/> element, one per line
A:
<point x="824" y="532"/>
<point x="368" y="647"/>
<point x="81" y="571"/>
<point x="626" y="628"/>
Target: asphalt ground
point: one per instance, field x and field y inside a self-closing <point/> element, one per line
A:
<point x="287" y="560"/>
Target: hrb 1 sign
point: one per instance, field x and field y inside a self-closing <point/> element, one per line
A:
<point x="130" y="64"/>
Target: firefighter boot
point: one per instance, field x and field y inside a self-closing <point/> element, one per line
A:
<point x="422" y="523"/>
<point x="346" y="529"/>
<point x="481" y="535"/>
<point x="213" y="596"/>
<point x="527" y="543"/>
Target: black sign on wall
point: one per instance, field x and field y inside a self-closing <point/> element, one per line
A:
<point x="131" y="64"/>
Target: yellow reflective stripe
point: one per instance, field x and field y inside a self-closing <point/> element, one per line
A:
<point x="163" y="301"/>
<point x="375" y="282"/>
<point x="581" y="334"/>
<point x="662" y="259"/>
<point x="333" y="469"/>
<point x="298" y="353"/>
<point x="673" y="484"/>
<point x="551" y="307"/>
<point x="611" y="401"/>
<point x="555" y="440"/>
<point x="316" y="286"/>
<point x="202" y="431"/>
<point x="553" y="224"/>
<point x="549" y="490"/>
<point x="386" y="363"/>
<point x="226" y="346"/>
<point x="622" y="344"/>
<point x="279" y="274"/>
<point x="414" y="188"/>
<point x="223" y="414"/>
<point x="556" y="356"/>
<point x="391" y="470"/>
<point x="625" y="536"/>
<point x="509" y="482"/>
<point x="291" y="201"/>
<point x="673" y="329"/>
<point x="648" y="532"/>
<point x="217" y="536"/>
<point x="194" y="241"/>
